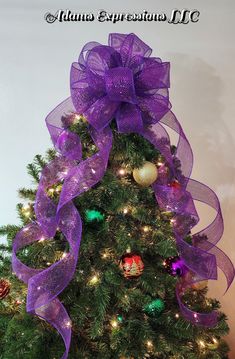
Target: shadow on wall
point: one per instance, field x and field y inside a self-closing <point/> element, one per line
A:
<point x="199" y="94"/>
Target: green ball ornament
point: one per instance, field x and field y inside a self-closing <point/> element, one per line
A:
<point x="93" y="215"/>
<point x="120" y="318"/>
<point x="155" y="308"/>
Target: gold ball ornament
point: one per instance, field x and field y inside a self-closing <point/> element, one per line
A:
<point x="145" y="175"/>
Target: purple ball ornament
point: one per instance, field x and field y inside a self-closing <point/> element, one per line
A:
<point x="175" y="266"/>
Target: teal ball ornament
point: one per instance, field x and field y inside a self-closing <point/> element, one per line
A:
<point x="92" y="215"/>
<point x="154" y="308"/>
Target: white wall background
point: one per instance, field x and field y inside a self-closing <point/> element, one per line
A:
<point x="34" y="77"/>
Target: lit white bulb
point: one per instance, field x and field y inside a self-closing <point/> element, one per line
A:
<point x="68" y="324"/>
<point x="26" y="207"/>
<point x="114" y="323"/>
<point x="94" y="280"/>
<point x="149" y="344"/>
<point x="121" y="172"/>
<point x="146" y="229"/>
<point x="201" y="343"/>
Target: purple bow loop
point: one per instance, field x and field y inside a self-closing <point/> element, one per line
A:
<point x="129" y="43"/>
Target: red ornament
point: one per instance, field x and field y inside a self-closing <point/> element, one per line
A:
<point x="4" y="288"/>
<point x="175" y="185"/>
<point x="132" y="265"/>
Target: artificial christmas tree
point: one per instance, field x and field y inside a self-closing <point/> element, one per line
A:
<point x="116" y="188"/>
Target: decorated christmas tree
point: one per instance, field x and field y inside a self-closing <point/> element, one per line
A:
<point x="105" y="260"/>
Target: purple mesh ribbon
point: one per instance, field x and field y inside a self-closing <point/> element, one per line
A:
<point x="78" y="176"/>
<point x="118" y="81"/>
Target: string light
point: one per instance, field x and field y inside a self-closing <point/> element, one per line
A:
<point x="42" y="239"/>
<point x="128" y="250"/>
<point x="106" y="253"/>
<point x="215" y="340"/>
<point x="125" y="210"/>
<point x="94" y="280"/>
<point x="26" y="210"/>
<point x="64" y="255"/>
<point x="51" y="190"/>
<point x="149" y="344"/>
<point x="177" y="315"/>
<point x="146" y="229"/>
<point x="114" y="323"/>
<point x="58" y="189"/>
<point x="26" y="207"/>
<point x="208" y="303"/>
<point x="68" y="324"/>
<point x="77" y="118"/>
<point x="121" y="172"/>
<point x="202" y="343"/>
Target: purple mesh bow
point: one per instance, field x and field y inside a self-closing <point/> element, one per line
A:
<point x="121" y="81"/>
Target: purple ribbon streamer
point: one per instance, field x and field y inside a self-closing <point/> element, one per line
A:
<point x="120" y="80"/>
<point x="44" y="286"/>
